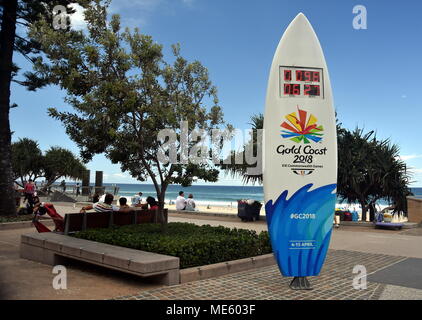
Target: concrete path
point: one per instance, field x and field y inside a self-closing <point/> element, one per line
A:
<point x="23" y="279"/>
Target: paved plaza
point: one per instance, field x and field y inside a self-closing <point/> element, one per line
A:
<point x="385" y="255"/>
<point x="334" y="283"/>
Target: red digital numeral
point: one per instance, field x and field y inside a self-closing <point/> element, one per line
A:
<point x="292" y="89"/>
<point x="287" y="75"/>
<point x="311" y="90"/>
<point x="307" y="75"/>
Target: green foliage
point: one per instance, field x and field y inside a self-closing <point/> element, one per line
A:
<point x="194" y="245"/>
<point x="15" y="218"/>
<point x="234" y="169"/>
<point x="60" y="162"/>
<point x="370" y="170"/>
<point x="13" y="39"/>
<point x="27" y="159"/>
<point x="28" y="162"/>
<point x="123" y="92"/>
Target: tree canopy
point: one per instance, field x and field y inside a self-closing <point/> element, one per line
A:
<point x="28" y="162"/>
<point x="23" y="13"/>
<point x="123" y="93"/>
<point x="370" y="170"/>
<point x="250" y="173"/>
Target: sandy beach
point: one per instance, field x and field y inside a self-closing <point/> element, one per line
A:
<point x="214" y="209"/>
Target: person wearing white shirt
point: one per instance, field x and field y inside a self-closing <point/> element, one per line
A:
<point x="181" y="201"/>
<point x="190" y="203"/>
<point x="137" y="200"/>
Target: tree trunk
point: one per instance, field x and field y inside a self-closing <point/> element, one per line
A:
<point x="372" y="210"/>
<point x="364" y="210"/>
<point x="7" y="40"/>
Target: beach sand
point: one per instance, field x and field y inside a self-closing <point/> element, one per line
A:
<point x="213" y="209"/>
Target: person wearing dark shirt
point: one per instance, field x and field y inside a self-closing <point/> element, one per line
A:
<point x="152" y="203"/>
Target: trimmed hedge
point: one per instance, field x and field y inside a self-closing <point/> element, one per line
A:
<point x="194" y="245"/>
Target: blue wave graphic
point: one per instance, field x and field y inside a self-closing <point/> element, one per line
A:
<point x="300" y="245"/>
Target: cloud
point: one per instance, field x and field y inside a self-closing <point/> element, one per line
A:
<point x="189" y="2"/>
<point x="120" y="175"/>
<point x="410" y="157"/>
<point x="77" y="19"/>
<point x="136" y="13"/>
<point x="142" y="5"/>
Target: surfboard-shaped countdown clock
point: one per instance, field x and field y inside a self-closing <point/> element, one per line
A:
<point x="300" y="154"/>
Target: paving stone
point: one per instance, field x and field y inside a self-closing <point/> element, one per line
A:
<point x="266" y="283"/>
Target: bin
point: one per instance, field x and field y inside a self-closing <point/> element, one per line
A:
<point x="248" y="212"/>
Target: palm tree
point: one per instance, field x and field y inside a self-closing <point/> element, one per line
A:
<point x="236" y="170"/>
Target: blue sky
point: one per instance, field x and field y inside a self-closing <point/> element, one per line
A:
<point x="375" y="73"/>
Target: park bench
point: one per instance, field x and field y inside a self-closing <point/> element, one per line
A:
<point x="53" y="249"/>
<point x="74" y="222"/>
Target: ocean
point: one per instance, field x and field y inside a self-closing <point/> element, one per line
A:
<point x="209" y="194"/>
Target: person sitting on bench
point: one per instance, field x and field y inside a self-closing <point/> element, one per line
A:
<point x="106" y="206"/>
<point x="123" y="203"/>
<point x="153" y="205"/>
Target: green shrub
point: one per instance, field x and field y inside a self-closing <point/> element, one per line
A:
<point x="15" y="218"/>
<point x="194" y="245"/>
<point x="265" y="242"/>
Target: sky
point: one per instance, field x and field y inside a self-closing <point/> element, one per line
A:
<point x="375" y="72"/>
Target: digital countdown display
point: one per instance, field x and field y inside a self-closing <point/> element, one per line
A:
<point x="301" y="82"/>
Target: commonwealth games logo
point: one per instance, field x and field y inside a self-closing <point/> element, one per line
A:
<point x="301" y="127"/>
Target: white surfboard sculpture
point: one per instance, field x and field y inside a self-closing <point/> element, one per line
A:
<point x="300" y="153"/>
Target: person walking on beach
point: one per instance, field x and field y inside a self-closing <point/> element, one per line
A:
<point x="181" y="201"/>
<point x="63" y="185"/>
<point x="78" y="192"/>
<point x="190" y="203"/>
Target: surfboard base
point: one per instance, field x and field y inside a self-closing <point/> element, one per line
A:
<point x="300" y="283"/>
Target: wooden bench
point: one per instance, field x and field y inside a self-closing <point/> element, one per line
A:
<point x="74" y="222"/>
<point x="50" y="248"/>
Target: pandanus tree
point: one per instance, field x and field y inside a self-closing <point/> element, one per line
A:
<point x="28" y="162"/>
<point x="371" y="170"/>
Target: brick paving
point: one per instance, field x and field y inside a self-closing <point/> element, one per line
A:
<point x="334" y="283"/>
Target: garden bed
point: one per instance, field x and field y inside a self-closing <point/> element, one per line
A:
<point x="194" y="245"/>
<point x="15" y="218"/>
